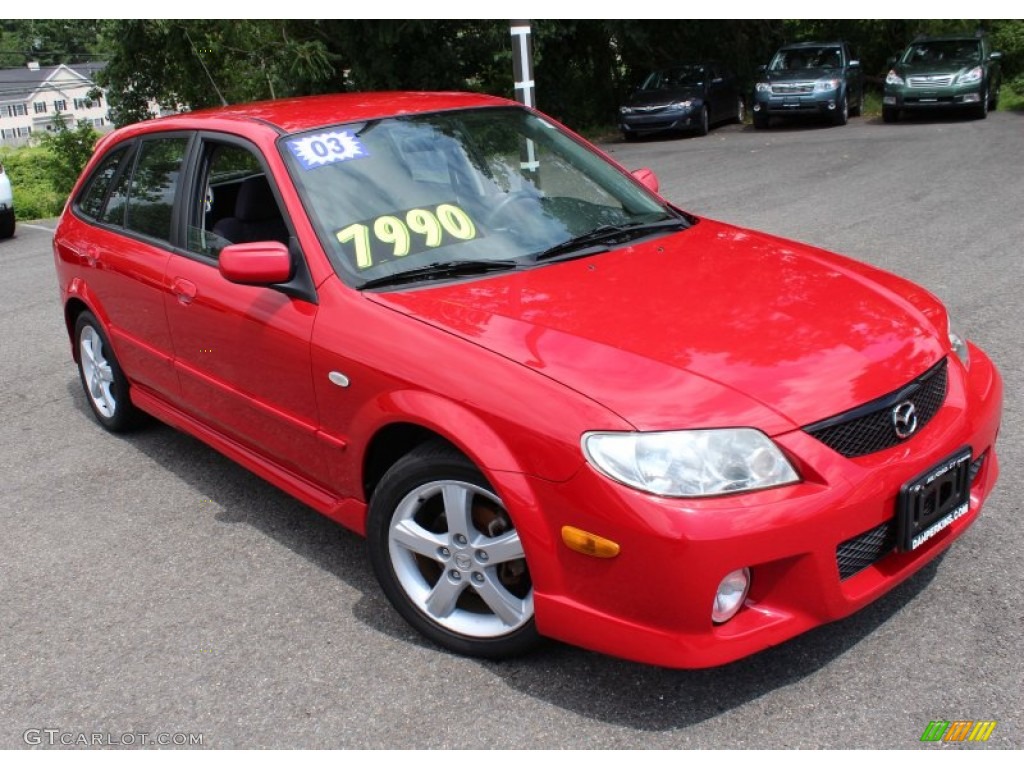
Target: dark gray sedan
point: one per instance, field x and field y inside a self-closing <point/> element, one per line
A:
<point x="687" y="98"/>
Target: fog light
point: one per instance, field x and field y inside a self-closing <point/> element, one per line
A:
<point x="888" y="99"/>
<point x="730" y="596"/>
<point x="757" y="107"/>
<point x="831" y="105"/>
<point x="972" y="97"/>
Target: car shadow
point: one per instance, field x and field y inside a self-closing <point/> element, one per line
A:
<point x="592" y="685"/>
<point x="924" y="117"/>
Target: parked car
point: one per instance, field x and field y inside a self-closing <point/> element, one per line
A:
<point x="555" y="404"/>
<point x="953" y="72"/>
<point x="810" y="79"/>
<point x="6" y="206"/>
<point x="687" y="98"/>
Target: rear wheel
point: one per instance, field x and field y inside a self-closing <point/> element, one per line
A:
<point x="106" y="387"/>
<point x="449" y="557"/>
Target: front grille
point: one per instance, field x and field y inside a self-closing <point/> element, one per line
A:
<point x="788" y="88"/>
<point x="650" y="110"/>
<point x="870" y="428"/>
<point x="930" y="81"/>
<point x="856" y="554"/>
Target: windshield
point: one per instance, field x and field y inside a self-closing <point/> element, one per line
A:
<point x="673" y="77"/>
<point x="943" y="52"/>
<point x="498" y="184"/>
<point x="823" y="57"/>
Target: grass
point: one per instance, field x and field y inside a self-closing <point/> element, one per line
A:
<point x="28" y="168"/>
<point x="1011" y="100"/>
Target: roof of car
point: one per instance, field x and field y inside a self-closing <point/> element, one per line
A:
<point x="306" y="112"/>
<point x="790" y="46"/>
<point x="941" y="38"/>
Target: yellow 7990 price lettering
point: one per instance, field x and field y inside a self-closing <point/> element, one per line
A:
<point x="396" y="231"/>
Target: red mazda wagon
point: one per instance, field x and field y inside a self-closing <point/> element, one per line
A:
<point x="554" y="403"/>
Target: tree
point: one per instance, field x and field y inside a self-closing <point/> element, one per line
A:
<point x="68" y="151"/>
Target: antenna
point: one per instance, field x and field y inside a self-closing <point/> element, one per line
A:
<point x="223" y="101"/>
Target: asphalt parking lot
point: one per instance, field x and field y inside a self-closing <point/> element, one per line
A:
<point x="151" y="586"/>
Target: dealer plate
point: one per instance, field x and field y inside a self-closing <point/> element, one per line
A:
<point x="933" y="500"/>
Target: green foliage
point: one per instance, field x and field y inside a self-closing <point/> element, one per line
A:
<point x="68" y="150"/>
<point x="34" y="194"/>
<point x="49" y="41"/>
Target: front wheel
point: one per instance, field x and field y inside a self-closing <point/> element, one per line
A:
<point x="704" y="121"/>
<point x="890" y="114"/>
<point x="842" y="113"/>
<point x="981" y="111"/>
<point x="761" y="120"/>
<point x="448" y="555"/>
<point x="106" y="387"/>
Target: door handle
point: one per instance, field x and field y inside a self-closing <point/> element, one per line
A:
<point x="184" y="289"/>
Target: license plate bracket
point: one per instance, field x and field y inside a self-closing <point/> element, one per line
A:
<point x="932" y="500"/>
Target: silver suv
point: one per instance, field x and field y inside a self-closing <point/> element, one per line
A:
<point x="809" y="79"/>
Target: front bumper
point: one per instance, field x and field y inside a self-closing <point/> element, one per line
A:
<point x="652" y="603"/>
<point x="665" y="119"/>
<point x="941" y="97"/>
<point x="816" y="103"/>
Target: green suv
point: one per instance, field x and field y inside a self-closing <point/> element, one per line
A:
<point x="809" y="79"/>
<point x="953" y="72"/>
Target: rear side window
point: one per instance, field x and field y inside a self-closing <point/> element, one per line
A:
<point x="154" y="183"/>
<point x="91" y="202"/>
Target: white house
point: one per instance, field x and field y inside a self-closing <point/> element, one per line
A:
<point x="31" y="96"/>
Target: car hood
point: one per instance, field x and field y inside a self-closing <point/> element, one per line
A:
<point x="664" y="96"/>
<point x="710" y="327"/>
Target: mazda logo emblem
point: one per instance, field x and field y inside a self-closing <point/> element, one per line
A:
<point x="904" y="419"/>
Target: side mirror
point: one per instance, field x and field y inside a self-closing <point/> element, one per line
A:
<point x="855" y="63"/>
<point x="256" y="263"/>
<point x="762" y="67"/>
<point x="995" y="55"/>
<point x="892" y="61"/>
<point x="647" y="177"/>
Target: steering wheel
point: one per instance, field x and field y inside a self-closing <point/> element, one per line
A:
<point x="512" y="197"/>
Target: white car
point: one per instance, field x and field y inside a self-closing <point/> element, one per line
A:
<point x="6" y="206"/>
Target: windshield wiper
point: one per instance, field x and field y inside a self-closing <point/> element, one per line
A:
<point x="441" y="270"/>
<point x="597" y="240"/>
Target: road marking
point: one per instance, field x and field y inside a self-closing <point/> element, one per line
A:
<point x="36" y="226"/>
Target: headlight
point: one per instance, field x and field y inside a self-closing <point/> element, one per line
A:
<point x="959" y="345"/>
<point x="683" y="105"/>
<point x="893" y="79"/>
<point x="971" y="76"/>
<point x="763" y="87"/>
<point x="827" y="85"/>
<point x="702" y="462"/>
<point x="625" y="110"/>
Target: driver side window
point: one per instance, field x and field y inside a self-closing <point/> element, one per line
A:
<point x="234" y="202"/>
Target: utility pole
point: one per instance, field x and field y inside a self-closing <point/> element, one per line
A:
<point x="522" y="74"/>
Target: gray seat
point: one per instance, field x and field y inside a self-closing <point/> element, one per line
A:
<point x="257" y="216"/>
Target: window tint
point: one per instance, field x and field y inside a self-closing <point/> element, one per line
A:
<point x="92" y="200"/>
<point x="154" y="182"/>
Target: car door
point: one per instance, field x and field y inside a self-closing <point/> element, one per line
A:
<point x="121" y="232"/>
<point x="242" y="352"/>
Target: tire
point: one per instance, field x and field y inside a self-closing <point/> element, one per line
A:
<point x="890" y="115"/>
<point x="993" y="102"/>
<point x="448" y="556"/>
<point x="981" y="111"/>
<point x="855" y="111"/>
<point x="705" y="122"/>
<point x="105" y="385"/>
<point x="629" y="136"/>
<point x="741" y="111"/>
<point x="7" y="224"/>
<point x="842" y="114"/>
<point x="761" y="120"/>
